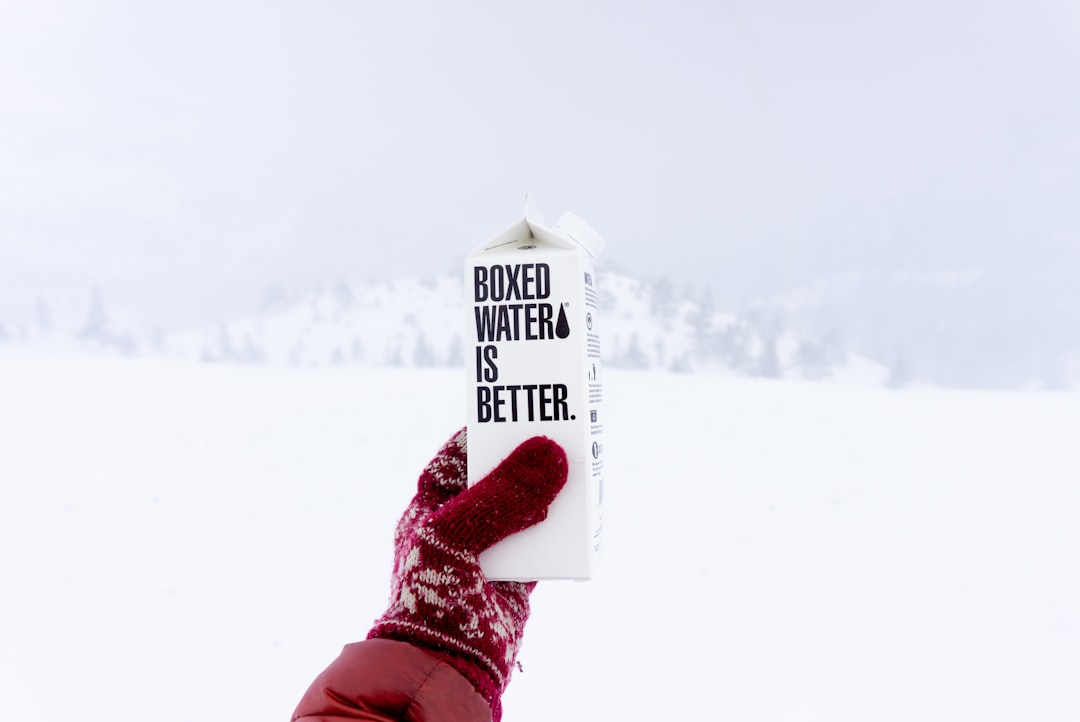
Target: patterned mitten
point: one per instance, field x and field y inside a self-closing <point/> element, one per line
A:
<point x="439" y="597"/>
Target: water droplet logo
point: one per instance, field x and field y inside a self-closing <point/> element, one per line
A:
<point x="562" y="326"/>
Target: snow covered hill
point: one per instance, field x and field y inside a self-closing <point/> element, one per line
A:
<point x="967" y="329"/>
<point x="964" y="328"/>
<point x="183" y="541"/>
<point x="416" y="323"/>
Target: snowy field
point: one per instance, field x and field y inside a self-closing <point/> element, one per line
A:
<point x="182" y="542"/>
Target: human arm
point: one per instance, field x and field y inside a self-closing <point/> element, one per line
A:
<point x="440" y="602"/>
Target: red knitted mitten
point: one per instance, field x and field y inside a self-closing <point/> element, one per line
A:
<point x="439" y="597"/>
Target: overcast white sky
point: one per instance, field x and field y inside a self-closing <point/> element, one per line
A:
<point x="184" y="155"/>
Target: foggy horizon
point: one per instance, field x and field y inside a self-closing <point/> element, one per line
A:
<point x="184" y="159"/>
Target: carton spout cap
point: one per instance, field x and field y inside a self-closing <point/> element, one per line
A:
<point x="581" y="233"/>
<point x="533" y="214"/>
<point x="569" y="229"/>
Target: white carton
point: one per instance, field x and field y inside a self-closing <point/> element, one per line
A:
<point x="531" y="303"/>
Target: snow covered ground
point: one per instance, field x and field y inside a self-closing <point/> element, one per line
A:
<point x="196" y="542"/>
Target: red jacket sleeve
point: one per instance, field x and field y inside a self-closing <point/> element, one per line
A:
<point x="381" y="680"/>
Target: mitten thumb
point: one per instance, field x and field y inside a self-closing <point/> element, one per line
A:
<point x="514" y="496"/>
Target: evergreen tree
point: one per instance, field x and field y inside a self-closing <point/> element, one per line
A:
<point x="343" y="295"/>
<point x="768" y="365"/>
<point x="681" y="365"/>
<point x="96" y="326"/>
<point x="813" y="359"/>
<point x="455" y="356"/>
<point x="663" y="301"/>
<point x="43" y="315"/>
<point x="423" y="354"/>
<point x="633" y="357"/>
<point x="701" y="327"/>
<point x="273" y="298"/>
<point x="900" y="372"/>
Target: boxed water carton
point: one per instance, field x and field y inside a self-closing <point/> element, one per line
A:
<point x="535" y="369"/>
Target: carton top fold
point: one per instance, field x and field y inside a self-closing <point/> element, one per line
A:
<point x="580" y="233"/>
<point x="568" y="232"/>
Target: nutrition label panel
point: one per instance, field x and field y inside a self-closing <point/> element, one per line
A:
<point x="592" y="352"/>
<point x="596" y="396"/>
